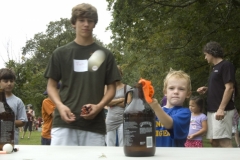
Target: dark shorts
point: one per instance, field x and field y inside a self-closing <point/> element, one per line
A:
<point x="28" y="126"/>
<point x="45" y="141"/>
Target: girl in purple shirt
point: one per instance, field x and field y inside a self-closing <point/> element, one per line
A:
<point x="198" y="123"/>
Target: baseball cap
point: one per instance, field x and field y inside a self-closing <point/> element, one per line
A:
<point x="58" y="87"/>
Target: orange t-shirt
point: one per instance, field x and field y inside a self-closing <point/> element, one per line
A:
<point x="47" y="110"/>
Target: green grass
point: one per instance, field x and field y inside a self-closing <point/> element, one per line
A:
<point x="35" y="138"/>
<point x="206" y="142"/>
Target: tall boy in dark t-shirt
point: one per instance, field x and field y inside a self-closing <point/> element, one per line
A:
<point x="84" y="68"/>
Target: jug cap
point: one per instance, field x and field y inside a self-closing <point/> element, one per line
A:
<point x="147" y="88"/>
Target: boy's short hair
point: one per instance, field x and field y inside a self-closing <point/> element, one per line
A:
<point x="84" y="10"/>
<point x="214" y="49"/>
<point x="6" y="73"/>
<point x="177" y="74"/>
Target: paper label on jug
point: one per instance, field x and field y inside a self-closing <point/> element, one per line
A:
<point x="138" y="133"/>
<point x="130" y="129"/>
<point x="145" y="127"/>
<point x="149" y="141"/>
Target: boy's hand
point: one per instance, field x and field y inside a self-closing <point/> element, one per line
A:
<point x="66" y="114"/>
<point x="202" y="90"/>
<point x="93" y="111"/>
<point x="86" y="110"/>
<point x="154" y="104"/>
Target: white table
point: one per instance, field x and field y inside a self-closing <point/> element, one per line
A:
<point x="38" y="152"/>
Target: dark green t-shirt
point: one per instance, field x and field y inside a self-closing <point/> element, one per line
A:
<point x="81" y="85"/>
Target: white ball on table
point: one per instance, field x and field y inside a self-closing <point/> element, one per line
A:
<point x="8" y="148"/>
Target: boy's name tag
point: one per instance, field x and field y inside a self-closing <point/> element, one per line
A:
<point x="80" y="65"/>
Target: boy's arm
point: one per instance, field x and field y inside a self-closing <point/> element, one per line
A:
<point x="53" y="93"/>
<point x="163" y="117"/>
<point x="19" y="123"/>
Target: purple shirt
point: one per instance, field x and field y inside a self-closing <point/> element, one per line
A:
<point x="196" y="125"/>
<point x="164" y="101"/>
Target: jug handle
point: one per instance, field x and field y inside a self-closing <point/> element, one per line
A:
<point x="126" y="97"/>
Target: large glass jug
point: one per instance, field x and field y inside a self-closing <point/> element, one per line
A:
<point x="138" y="125"/>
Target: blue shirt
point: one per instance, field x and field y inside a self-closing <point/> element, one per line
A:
<point x="175" y="137"/>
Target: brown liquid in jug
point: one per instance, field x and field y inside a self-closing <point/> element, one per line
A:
<point x="138" y="126"/>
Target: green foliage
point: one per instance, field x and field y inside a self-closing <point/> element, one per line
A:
<point x="157" y="35"/>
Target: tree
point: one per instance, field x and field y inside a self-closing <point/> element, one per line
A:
<point x="157" y="35"/>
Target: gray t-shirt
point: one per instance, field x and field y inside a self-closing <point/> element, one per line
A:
<point x="18" y="108"/>
<point x="115" y="114"/>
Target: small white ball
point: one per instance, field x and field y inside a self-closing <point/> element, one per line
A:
<point x="8" y="148"/>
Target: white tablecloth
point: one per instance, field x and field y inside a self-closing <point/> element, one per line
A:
<point x="38" y="152"/>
